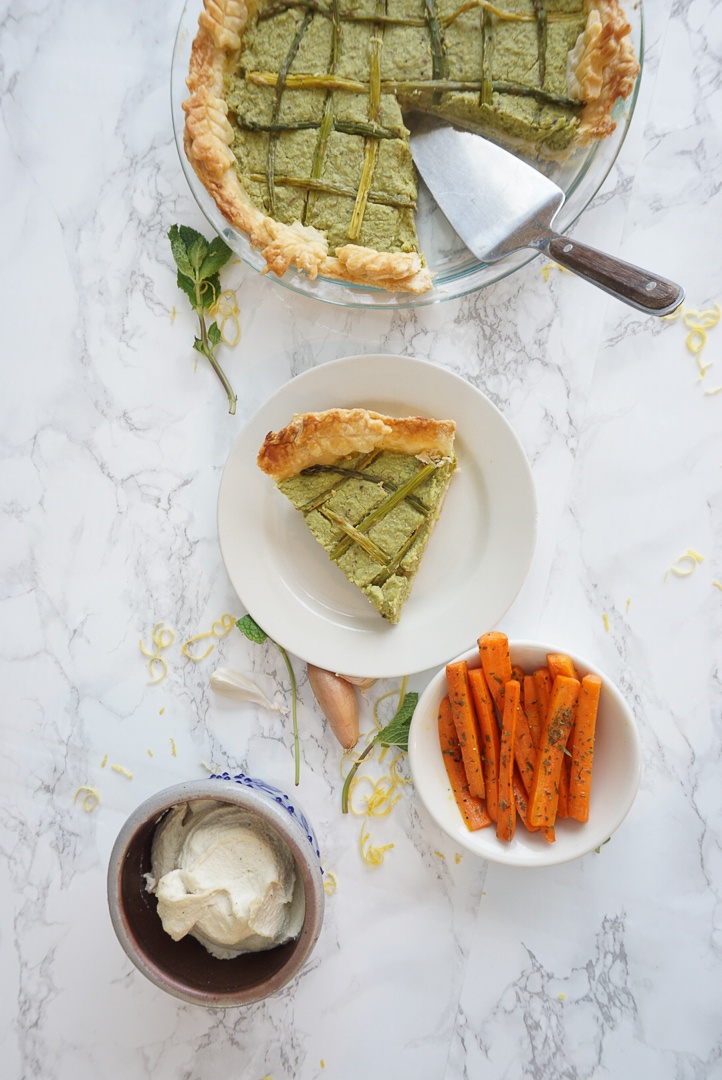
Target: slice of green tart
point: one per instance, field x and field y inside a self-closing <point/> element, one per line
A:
<point x="370" y="488"/>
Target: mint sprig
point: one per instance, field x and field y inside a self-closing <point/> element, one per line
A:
<point x="396" y="733"/>
<point x="248" y="626"/>
<point x="199" y="263"/>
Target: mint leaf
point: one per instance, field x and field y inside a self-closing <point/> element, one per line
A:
<point x="178" y="249"/>
<point x="188" y="286"/>
<point x="198" y="277"/>
<point x="188" y="235"/>
<point x="218" y="255"/>
<point x="251" y="629"/>
<point x="396" y="732"/>
<point x="197" y="252"/>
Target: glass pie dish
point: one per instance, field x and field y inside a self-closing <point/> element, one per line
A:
<point x="455" y="270"/>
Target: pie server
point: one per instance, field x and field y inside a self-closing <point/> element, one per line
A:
<point x="499" y="204"/>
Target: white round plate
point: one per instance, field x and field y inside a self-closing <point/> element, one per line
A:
<point x="477" y="557"/>
<point x="615" y="775"/>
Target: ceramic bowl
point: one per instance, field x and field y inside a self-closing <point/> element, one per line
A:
<point x="185" y="968"/>
<point x="615" y="778"/>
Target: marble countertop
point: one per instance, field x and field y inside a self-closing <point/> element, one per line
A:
<point x="428" y="965"/>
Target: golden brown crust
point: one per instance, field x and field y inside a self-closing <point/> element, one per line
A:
<point x="323" y="438"/>
<point x="602" y="67"/>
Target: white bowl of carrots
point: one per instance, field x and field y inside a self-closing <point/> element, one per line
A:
<point x="524" y="753"/>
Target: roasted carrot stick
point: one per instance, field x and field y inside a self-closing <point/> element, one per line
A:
<point x="560" y="664"/>
<point x="543" y="690"/>
<point x="467" y="729"/>
<point x="496" y="662"/>
<point x="544" y="794"/>
<point x="564" y="771"/>
<point x="489" y="745"/>
<point x="522" y="809"/>
<point x="521" y="800"/>
<point x="583" y="748"/>
<point x="530" y="704"/>
<point x="524" y="751"/>
<point x="543" y="682"/>
<point x="472" y="810"/>
<point x="506" y="821"/>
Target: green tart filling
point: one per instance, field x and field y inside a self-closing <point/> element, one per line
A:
<point x="373" y="514"/>
<point x="317" y="94"/>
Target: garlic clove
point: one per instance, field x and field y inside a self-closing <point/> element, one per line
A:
<point x="357" y="680"/>
<point x="231" y="684"/>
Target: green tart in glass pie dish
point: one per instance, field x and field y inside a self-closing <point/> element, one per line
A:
<point x="295" y="120"/>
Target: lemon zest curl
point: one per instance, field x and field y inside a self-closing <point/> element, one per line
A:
<point x="90" y="799"/>
<point x="685" y="565"/>
<point x="122" y="769"/>
<point x="225" y="309"/>
<point x="373" y="856"/>
<point x="161" y="637"/>
<point x="330" y="884"/>
<point x="218" y="629"/>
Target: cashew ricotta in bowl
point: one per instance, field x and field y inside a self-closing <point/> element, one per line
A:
<point x="222" y="876"/>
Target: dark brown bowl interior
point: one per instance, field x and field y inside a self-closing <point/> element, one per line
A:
<point x="186" y="962"/>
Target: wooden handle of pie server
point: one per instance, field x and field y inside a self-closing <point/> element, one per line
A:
<point x="647" y="292"/>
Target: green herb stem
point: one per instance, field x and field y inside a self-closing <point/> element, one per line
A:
<point x="487" y="41"/>
<point x="311" y="184"/>
<point x="439" y="59"/>
<point x="207" y="350"/>
<point x="351" y="773"/>
<point x="382" y="509"/>
<point x="542" y="19"/>
<point x="399" y="20"/>
<point x="308" y="81"/>
<point x="280" y="86"/>
<point x="199" y="263"/>
<point x="396" y="733"/>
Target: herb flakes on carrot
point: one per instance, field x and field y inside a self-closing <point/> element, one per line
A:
<point x="489" y="732"/>
<point x="472" y="809"/>
<point x="506" y="822"/>
<point x="496" y="664"/>
<point x="467" y="729"/>
<point x="580" y="779"/>
<point x="544" y="795"/>
<point x="530" y="704"/>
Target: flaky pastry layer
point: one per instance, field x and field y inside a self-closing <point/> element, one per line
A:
<point x="322" y="438"/>
<point x="602" y="67"/>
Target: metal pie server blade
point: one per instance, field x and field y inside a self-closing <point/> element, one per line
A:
<point x="499" y="204"/>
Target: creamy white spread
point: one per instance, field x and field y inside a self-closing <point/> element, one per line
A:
<point x="223" y="876"/>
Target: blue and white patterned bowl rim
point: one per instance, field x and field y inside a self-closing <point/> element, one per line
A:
<point x="279" y="797"/>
